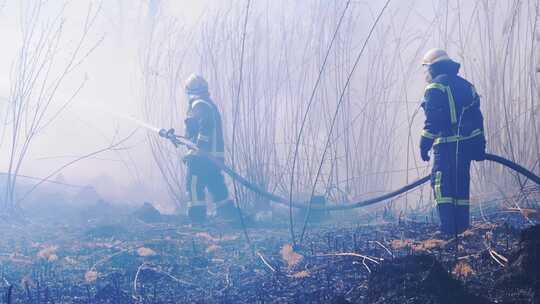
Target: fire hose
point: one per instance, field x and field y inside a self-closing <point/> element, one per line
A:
<point x="179" y="140"/>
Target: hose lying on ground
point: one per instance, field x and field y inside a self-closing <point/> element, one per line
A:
<point x="275" y="198"/>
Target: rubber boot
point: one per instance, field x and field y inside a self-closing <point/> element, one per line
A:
<point x="227" y="211"/>
<point x="197" y="214"/>
<point x="462" y="217"/>
<point x="447" y="218"/>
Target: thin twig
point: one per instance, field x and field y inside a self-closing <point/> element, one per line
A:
<point x="136" y="279"/>
<point x="265" y="262"/>
<point x="375" y="260"/>
<point x="385" y="248"/>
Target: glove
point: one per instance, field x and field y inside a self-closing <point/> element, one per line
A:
<point x="191" y="157"/>
<point x="203" y="142"/>
<point x="425" y="146"/>
<point x="424" y="154"/>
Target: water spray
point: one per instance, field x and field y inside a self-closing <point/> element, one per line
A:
<point x="165" y="133"/>
<point x="141" y="123"/>
<point x="124" y="117"/>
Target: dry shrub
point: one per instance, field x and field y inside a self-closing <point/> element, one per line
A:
<point x="467" y="232"/>
<point x="146" y="252"/>
<point x="19" y="259"/>
<point x="48" y="253"/>
<point x="52" y="258"/>
<point x="417" y="245"/>
<point x="429" y="244"/>
<point x="399" y="244"/>
<point x="205" y="235"/>
<point x="106" y="245"/>
<point x="212" y="248"/>
<point x="292" y="258"/>
<point x="210" y="238"/>
<point x="485" y="226"/>
<point x="91" y="276"/>
<point x="300" y="275"/>
<point x="71" y="261"/>
<point x="229" y="237"/>
<point x="463" y="270"/>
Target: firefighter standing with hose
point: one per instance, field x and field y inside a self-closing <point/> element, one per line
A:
<point x="203" y="126"/>
<point x="454" y="129"/>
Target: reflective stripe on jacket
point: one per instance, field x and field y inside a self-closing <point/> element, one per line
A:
<point x="452" y="107"/>
<point x="204" y="126"/>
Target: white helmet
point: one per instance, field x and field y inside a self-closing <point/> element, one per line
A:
<point x="434" y="55"/>
<point x="196" y="85"/>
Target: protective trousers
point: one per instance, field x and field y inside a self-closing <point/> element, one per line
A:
<point x="450" y="180"/>
<point x="201" y="175"/>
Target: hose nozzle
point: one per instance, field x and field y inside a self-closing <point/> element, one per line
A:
<point x="169" y="134"/>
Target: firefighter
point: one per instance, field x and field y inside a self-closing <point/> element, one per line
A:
<point x="454" y="128"/>
<point x="203" y="126"/>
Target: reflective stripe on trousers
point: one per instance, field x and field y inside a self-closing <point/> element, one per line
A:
<point x="196" y="200"/>
<point x="440" y="199"/>
<point x="203" y="175"/>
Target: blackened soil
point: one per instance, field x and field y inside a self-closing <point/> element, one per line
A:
<point x="139" y="259"/>
<point x="419" y="279"/>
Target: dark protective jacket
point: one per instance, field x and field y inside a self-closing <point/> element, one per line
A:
<point x="204" y="127"/>
<point x="452" y="109"/>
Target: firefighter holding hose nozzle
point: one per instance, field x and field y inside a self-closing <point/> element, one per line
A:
<point x="203" y="126"/>
<point x="454" y="128"/>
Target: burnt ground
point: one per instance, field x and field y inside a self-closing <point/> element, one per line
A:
<point x="138" y="259"/>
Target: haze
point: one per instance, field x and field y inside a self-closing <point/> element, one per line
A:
<point x="149" y="47"/>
